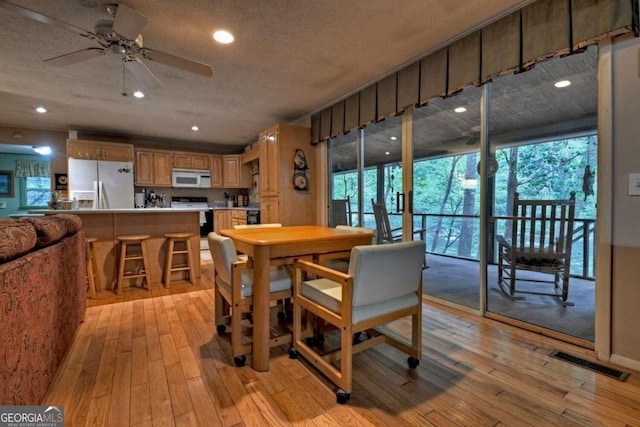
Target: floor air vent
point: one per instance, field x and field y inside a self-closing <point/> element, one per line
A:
<point x="614" y="373"/>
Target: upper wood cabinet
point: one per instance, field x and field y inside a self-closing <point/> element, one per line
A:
<point x="269" y="163"/>
<point x="279" y="201"/>
<point x="153" y="167"/>
<point x="95" y="150"/>
<point x="215" y="167"/>
<point x="234" y="173"/>
<point x="190" y="161"/>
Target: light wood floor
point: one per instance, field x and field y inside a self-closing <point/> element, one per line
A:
<point x="158" y="361"/>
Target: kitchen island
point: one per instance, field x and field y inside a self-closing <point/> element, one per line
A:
<point x="106" y="224"/>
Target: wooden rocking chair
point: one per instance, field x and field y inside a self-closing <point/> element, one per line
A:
<point x="540" y="241"/>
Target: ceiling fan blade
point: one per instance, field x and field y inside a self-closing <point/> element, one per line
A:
<point x="36" y="16"/>
<point x="472" y="140"/>
<point x="129" y="22"/>
<point x="177" y="62"/>
<point x="75" y="57"/>
<point x="142" y="73"/>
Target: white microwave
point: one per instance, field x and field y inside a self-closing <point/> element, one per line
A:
<point x="190" y="178"/>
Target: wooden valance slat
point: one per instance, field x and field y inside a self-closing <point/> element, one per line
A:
<point x="433" y="76"/>
<point x="408" y="86"/>
<point x="546" y="31"/>
<point x="325" y="124"/>
<point x="387" y="90"/>
<point x="337" y="119"/>
<point x="500" y="47"/>
<point x="367" y="105"/>
<point x="464" y="63"/>
<point x="315" y="128"/>
<point x="594" y="20"/>
<point x="351" y="112"/>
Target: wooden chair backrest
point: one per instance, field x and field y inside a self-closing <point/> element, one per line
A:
<point x="383" y="226"/>
<point x="341" y="211"/>
<point x="544" y="227"/>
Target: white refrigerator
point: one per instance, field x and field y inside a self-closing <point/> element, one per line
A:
<point x="98" y="184"/>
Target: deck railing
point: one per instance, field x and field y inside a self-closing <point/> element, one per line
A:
<point x="449" y="232"/>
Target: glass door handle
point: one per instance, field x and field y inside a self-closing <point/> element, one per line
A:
<point x="399" y="206"/>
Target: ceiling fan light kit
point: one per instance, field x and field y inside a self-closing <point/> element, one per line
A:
<point x="121" y="36"/>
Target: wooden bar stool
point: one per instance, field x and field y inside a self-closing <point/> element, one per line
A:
<point x="172" y="239"/>
<point x="92" y="268"/>
<point x="144" y="272"/>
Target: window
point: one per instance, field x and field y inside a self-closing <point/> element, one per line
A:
<point x="35" y="192"/>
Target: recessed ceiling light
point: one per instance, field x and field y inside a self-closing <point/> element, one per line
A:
<point x="393" y="138"/>
<point x="195" y="128"/>
<point x="562" y="83"/>
<point x="41" y="110"/>
<point x="222" y="36"/>
<point x="460" y="110"/>
<point x="387" y="153"/>
<point x="42" y="150"/>
<point x="138" y="94"/>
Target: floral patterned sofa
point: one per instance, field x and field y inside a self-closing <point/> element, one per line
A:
<point x="43" y="292"/>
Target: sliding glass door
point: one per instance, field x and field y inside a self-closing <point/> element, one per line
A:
<point x="541" y="141"/>
<point x="446" y="146"/>
<point x="543" y="145"/>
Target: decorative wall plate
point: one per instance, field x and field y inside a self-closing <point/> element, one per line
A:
<point x="300" y="181"/>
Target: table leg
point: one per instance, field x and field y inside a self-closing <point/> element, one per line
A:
<point x="261" y="327"/>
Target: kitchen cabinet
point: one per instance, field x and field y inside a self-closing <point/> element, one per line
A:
<point x="238" y="217"/>
<point x="96" y="150"/>
<point x="215" y="167"/>
<point x="153" y="167"/>
<point x="234" y="173"/>
<point x="228" y="218"/>
<point x="190" y="161"/>
<point x="279" y="201"/>
<point x="222" y="220"/>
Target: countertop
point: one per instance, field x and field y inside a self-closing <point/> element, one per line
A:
<point x="236" y="208"/>
<point x="102" y="211"/>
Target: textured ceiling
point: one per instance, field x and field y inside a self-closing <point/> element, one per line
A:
<point x="290" y="58"/>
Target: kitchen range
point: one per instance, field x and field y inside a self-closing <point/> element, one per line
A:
<point x="206" y="216"/>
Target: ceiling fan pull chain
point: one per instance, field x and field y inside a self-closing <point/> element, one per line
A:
<point x="124" y="92"/>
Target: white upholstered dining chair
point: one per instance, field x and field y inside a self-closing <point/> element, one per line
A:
<point x="234" y="286"/>
<point x="383" y="283"/>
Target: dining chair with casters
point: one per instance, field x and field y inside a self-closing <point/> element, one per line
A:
<point x="233" y="279"/>
<point x="383" y="284"/>
<point x="539" y="241"/>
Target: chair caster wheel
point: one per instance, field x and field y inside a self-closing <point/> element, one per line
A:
<point x="293" y="353"/>
<point x="342" y="397"/>
<point x="413" y="362"/>
<point x="240" y="361"/>
<point x="282" y="317"/>
<point x="221" y="329"/>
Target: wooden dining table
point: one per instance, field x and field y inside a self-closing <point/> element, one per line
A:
<point x="265" y="246"/>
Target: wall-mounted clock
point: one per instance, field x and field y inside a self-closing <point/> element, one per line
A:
<point x="300" y="160"/>
<point x="300" y="181"/>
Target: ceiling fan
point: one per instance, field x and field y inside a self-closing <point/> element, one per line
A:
<point x="119" y="36"/>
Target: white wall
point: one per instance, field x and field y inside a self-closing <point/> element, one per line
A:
<point x="625" y="277"/>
